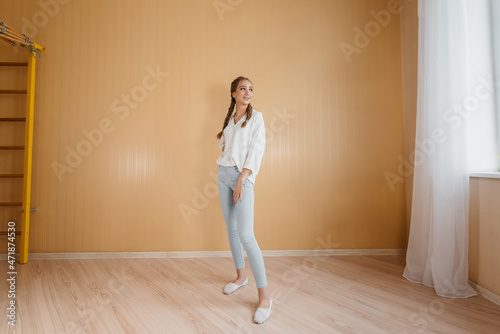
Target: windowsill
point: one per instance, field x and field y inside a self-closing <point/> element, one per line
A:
<point x="488" y="175"/>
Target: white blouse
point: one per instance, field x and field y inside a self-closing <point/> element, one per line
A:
<point x="244" y="147"/>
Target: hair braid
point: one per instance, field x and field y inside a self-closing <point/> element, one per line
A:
<point x="228" y="116"/>
<point x="249" y="114"/>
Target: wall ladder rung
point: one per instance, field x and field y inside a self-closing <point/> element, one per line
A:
<point x="13" y="91"/>
<point x="5" y="232"/>
<point x="11" y="176"/>
<point x="11" y="203"/>
<point x="13" y="147"/>
<point x="12" y="119"/>
<point x="7" y="63"/>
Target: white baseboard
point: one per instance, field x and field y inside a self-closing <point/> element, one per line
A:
<point x="486" y="293"/>
<point x="334" y="252"/>
<point x="205" y="254"/>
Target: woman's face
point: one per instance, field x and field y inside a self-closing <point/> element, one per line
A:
<point x="244" y="93"/>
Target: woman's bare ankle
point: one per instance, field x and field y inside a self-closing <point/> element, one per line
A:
<point x="240" y="280"/>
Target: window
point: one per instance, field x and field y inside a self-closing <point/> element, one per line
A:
<point x="482" y="106"/>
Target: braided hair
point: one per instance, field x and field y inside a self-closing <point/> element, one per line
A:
<point x="234" y="86"/>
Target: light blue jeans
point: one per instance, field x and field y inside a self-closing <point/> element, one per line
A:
<point x="239" y="223"/>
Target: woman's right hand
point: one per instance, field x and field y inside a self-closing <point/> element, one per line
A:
<point x="238" y="191"/>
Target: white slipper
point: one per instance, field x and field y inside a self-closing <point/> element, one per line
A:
<point x="231" y="287"/>
<point x="262" y="314"/>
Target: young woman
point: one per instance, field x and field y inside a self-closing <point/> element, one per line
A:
<point x="242" y="141"/>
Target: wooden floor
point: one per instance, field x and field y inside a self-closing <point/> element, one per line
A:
<point x="342" y="294"/>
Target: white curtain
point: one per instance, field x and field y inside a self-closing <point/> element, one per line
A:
<point x="438" y="244"/>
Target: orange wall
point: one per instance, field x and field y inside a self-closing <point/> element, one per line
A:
<point x="484" y="233"/>
<point x="334" y="126"/>
<point x="409" y="66"/>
